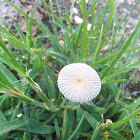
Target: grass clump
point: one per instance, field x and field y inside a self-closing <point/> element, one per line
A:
<point x="29" y="71"/>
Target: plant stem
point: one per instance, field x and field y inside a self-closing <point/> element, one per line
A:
<point x="50" y="106"/>
<point x="26" y="98"/>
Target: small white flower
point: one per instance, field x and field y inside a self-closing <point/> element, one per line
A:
<point x="79" y="82"/>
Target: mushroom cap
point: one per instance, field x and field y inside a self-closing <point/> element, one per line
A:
<point x="79" y="82"/>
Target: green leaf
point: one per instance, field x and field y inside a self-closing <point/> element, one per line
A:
<point x="52" y="12"/>
<point x="95" y="53"/>
<point x="113" y="55"/>
<point x="56" y="45"/>
<point x="112" y="87"/>
<point x="2" y="118"/>
<point x="57" y="129"/>
<point x="11" y="38"/>
<point x="92" y="121"/>
<point x="115" y="81"/>
<point x="77" y="128"/>
<point x="123" y="70"/>
<point x="8" y="77"/>
<point x="137" y="136"/>
<point x="20" y="33"/>
<point x="100" y="21"/>
<point x="70" y="26"/>
<point x="12" y="58"/>
<point x="12" y="125"/>
<point x="133" y="124"/>
<point x="135" y="103"/>
<point x="84" y="36"/>
<point x="112" y="111"/>
<point x="126" y="119"/>
<point x="132" y="107"/>
<point x="127" y="14"/>
<point x="70" y="46"/>
<point x="40" y="128"/>
<point x="109" y="24"/>
<point x="116" y="135"/>
<point x="52" y="52"/>
<point x="96" y="132"/>
<point x="68" y="122"/>
<point x="4" y="88"/>
<point x="126" y="45"/>
<point x="50" y="84"/>
<point x="96" y="108"/>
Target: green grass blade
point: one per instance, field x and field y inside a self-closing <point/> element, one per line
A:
<point x="115" y="81"/>
<point x="54" y="28"/>
<point x="126" y="119"/>
<point x="12" y="125"/>
<point x="93" y="17"/>
<point x="78" y="35"/>
<point x="67" y="128"/>
<point x="9" y="77"/>
<point x="56" y="46"/>
<point x="57" y="129"/>
<point x="109" y="24"/>
<point x="133" y="124"/>
<point x="113" y="55"/>
<point x="11" y="38"/>
<point x="97" y="24"/>
<point x="123" y="70"/>
<point x="28" y="36"/>
<point x="96" y="132"/>
<point x="127" y="14"/>
<point x="126" y="45"/>
<point x="92" y="121"/>
<point x="95" y="53"/>
<point x="50" y="84"/>
<point x="137" y="136"/>
<point x="70" y="46"/>
<point x="16" y="110"/>
<point x="77" y="128"/>
<point x="20" y="33"/>
<point x="70" y="26"/>
<point x="40" y="128"/>
<point x="3" y="46"/>
<point x="47" y="6"/>
<point x="31" y="20"/>
<point x="2" y="118"/>
<point x="84" y="36"/>
<point x="71" y="9"/>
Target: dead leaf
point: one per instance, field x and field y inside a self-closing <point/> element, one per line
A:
<point x="61" y="42"/>
<point x="108" y="122"/>
<point x="27" y="8"/>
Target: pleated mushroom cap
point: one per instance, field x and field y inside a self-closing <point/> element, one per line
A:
<point x="79" y="82"/>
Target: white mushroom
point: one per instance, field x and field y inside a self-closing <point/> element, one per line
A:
<point x="79" y="82"/>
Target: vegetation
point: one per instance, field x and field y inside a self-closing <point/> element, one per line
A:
<point x="31" y="106"/>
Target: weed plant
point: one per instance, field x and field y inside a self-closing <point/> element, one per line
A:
<point x="31" y="106"/>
